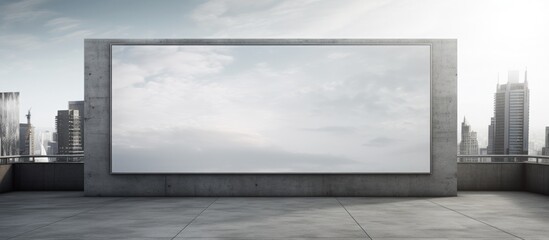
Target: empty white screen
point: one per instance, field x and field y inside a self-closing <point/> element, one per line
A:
<point x="273" y="109"/>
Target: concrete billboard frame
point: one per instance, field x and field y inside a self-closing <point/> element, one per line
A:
<point x="99" y="181"/>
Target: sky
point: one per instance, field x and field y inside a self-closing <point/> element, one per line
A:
<point x="41" y="41"/>
<point x="271" y="109"/>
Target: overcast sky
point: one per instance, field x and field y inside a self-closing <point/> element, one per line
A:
<point x="271" y="108"/>
<point x="41" y="42"/>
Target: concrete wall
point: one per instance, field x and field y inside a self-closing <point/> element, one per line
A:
<point x="491" y="176"/>
<point x="537" y="178"/>
<point x="48" y="176"/>
<point x="6" y="176"/>
<point x="441" y="182"/>
<point x="471" y="177"/>
<point x="503" y="177"/>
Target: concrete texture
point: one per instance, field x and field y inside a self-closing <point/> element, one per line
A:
<point x="491" y="176"/>
<point x="441" y="182"/>
<point x="529" y="177"/>
<point x="6" y="178"/>
<point x="470" y="215"/>
<point x="48" y="176"/>
<point x="537" y="178"/>
<point x="471" y="177"/>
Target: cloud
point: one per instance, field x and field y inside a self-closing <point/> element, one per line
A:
<point x="196" y="150"/>
<point x="23" y="11"/>
<point x="381" y="142"/>
<point x="19" y="41"/>
<point x="13" y="64"/>
<point x="78" y="34"/>
<point x="199" y="80"/>
<point x="114" y="32"/>
<point x="62" y="24"/>
<point x="333" y="129"/>
<point x="281" y="18"/>
<point x="338" y="55"/>
<point x="157" y="64"/>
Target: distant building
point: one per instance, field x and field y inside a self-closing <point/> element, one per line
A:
<point x="46" y="144"/>
<point x="53" y="146"/>
<point x="26" y="137"/>
<point x="545" y="149"/>
<point x="79" y="105"/>
<point x="469" y="143"/>
<point x="68" y="133"/>
<point x="490" y="148"/>
<point x="484" y="151"/>
<point x="511" y="115"/>
<point x="9" y="123"/>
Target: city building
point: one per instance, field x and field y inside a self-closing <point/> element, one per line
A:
<point x="68" y="133"/>
<point x="46" y="144"/>
<point x="26" y="137"/>
<point x="545" y="149"/>
<point x="490" y="147"/>
<point x="511" y="115"/>
<point x="9" y="123"/>
<point x="53" y="146"/>
<point x="484" y="151"/>
<point x="469" y="143"/>
<point x="79" y="105"/>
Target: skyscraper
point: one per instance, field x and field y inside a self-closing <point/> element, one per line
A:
<point x="26" y="137"/>
<point x="47" y="143"/>
<point x="9" y="123"/>
<point x="469" y="143"/>
<point x="79" y="105"/>
<point x="545" y="149"/>
<point x="491" y="130"/>
<point x="68" y="132"/>
<point x="511" y="115"/>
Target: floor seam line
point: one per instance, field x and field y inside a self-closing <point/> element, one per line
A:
<point x="63" y="219"/>
<point x="463" y="214"/>
<point x="198" y="215"/>
<point x="363" y="230"/>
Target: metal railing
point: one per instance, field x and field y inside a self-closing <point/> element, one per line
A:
<point x="497" y="158"/>
<point x="41" y="158"/>
<point x="460" y="158"/>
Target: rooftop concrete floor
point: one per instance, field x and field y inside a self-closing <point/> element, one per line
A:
<point x="471" y="215"/>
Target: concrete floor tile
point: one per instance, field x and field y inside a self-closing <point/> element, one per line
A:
<point x="89" y="238"/>
<point x="120" y="223"/>
<point x="254" y="238"/>
<point x="471" y="215"/>
<point x="14" y="222"/>
<point x="410" y="217"/>
<point x="270" y="217"/>
<point x="468" y="238"/>
<point x="519" y="213"/>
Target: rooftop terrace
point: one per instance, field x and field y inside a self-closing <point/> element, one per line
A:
<point x="471" y="215"/>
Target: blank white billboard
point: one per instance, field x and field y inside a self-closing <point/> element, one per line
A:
<point x="270" y="109"/>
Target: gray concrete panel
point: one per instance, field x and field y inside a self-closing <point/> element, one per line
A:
<point x="6" y="178"/>
<point x="32" y="177"/>
<point x="490" y="176"/>
<point x="537" y="178"/>
<point x="48" y="176"/>
<point x="471" y="177"/>
<point x="441" y="182"/>
<point x="512" y="177"/>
